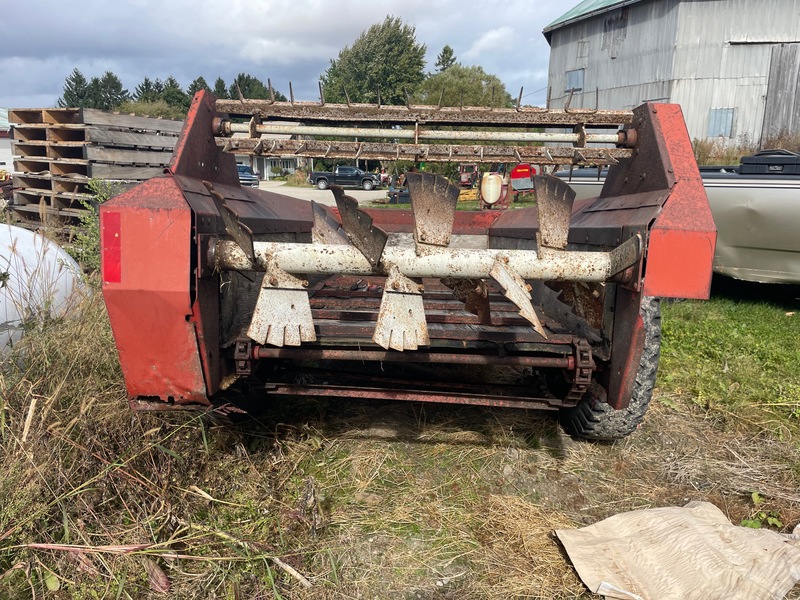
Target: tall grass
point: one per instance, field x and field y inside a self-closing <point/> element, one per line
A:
<point x="713" y="152"/>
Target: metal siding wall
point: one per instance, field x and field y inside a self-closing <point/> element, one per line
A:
<point x="681" y="50"/>
<point x="643" y="64"/>
<point x="782" y="105"/>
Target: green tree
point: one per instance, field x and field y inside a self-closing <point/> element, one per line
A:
<point x="146" y="91"/>
<point x="174" y="95"/>
<point x="158" y="86"/>
<point x="197" y="85"/>
<point x="446" y="59"/>
<point x="252" y="88"/>
<point x="471" y="86"/>
<point x="220" y="90"/>
<point x="385" y="56"/>
<point x="108" y="91"/>
<point x="76" y="90"/>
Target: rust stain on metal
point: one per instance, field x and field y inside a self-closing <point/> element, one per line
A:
<point x="516" y="290"/>
<point x="554" y="200"/>
<point x="354" y="112"/>
<point x="433" y="202"/>
<point x="401" y="321"/>
<point x="432" y="152"/>
<point x="357" y="224"/>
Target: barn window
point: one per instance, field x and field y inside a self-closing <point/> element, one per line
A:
<point x="720" y="122"/>
<point x="574" y="80"/>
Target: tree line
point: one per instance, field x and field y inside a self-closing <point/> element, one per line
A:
<point x="385" y="63"/>
<point x="160" y="98"/>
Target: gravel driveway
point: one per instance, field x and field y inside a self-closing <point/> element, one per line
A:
<point x="320" y="196"/>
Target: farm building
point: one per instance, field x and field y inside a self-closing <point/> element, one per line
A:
<point x="732" y="65"/>
<point x="6" y="159"/>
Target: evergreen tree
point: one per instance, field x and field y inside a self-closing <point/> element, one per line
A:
<point x="252" y="88"/>
<point x="146" y="91"/>
<point x="111" y="92"/>
<point x="385" y="56"/>
<point x="174" y="95"/>
<point x="75" y="91"/>
<point x="220" y="91"/>
<point x="197" y="85"/>
<point x="94" y="94"/>
<point x="446" y="59"/>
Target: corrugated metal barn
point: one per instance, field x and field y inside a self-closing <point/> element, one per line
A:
<point x="732" y="65"/>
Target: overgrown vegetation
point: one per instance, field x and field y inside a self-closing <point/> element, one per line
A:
<point x="711" y="152"/>
<point x="345" y="499"/>
<point x="84" y="245"/>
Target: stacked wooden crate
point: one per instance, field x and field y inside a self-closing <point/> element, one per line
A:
<point x="57" y="150"/>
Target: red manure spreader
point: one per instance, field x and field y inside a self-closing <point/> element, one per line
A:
<point x="217" y="293"/>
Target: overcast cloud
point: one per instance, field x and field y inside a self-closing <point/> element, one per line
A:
<point x="284" y="40"/>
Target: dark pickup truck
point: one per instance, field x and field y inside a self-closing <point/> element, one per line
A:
<point x="345" y="177"/>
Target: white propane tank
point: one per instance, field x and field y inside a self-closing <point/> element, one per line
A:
<point x="491" y="188"/>
<point x="38" y="280"/>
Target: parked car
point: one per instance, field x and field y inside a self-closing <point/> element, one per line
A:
<point x="246" y="176"/>
<point x="346" y="177"/>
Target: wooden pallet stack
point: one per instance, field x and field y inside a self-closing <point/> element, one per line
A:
<point x="57" y="150"/>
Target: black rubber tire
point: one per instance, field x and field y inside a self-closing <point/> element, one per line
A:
<point x="593" y="419"/>
<point x="322" y="184"/>
<point x="367" y="184"/>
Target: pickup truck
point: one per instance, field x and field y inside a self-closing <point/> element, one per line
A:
<point x="754" y="205"/>
<point x="345" y="177"/>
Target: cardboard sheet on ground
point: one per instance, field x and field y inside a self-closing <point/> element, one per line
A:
<point x="681" y="553"/>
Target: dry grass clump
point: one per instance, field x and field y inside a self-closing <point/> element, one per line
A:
<point x="522" y="559"/>
<point x="713" y="152"/>
<point x="710" y="152"/>
<point x="297" y="179"/>
<point x="783" y="140"/>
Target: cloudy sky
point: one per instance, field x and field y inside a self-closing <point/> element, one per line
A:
<point x="284" y="40"/>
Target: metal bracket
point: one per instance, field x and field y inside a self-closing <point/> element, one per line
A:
<point x="282" y="315"/>
<point x="240" y="232"/>
<point x="516" y="290"/>
<point x="401" y="320"/>
<point x="243" y="356"/>
<point x="369" y="240"/>
<point x="433" y="202"/>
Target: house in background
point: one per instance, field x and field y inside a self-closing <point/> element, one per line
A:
<point x="732" y="65"/>
<point x="6" y="157"/>
<point x="268" y="167"/>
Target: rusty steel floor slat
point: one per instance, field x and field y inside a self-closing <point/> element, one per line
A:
<point x="349" y="314"/>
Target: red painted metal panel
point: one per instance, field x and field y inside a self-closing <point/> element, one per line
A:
<point x="628" y="347"/>
<point x="111" y="267"/>
<point x="196" y="154"/>
<point x="682" y="240"/>
<point x="150" y="306"/>
<point x="402" y="221"/>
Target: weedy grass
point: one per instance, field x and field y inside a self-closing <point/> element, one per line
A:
<point x="346" y="499"/>
<point x="736" y="356"/>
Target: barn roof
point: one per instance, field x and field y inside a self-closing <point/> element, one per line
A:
<point x="584" y="10"/>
